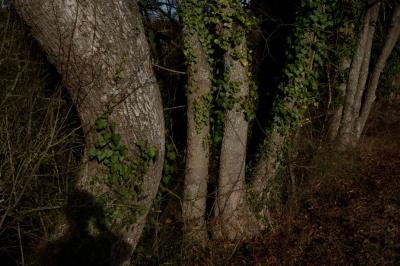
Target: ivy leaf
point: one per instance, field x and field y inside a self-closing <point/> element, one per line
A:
<point x="101" y="123"/>
<point x="116" y="138"/>
<point x="166" y="179"/>
<point x="107" y="136"/>
<point x="171" y="155"/>
<point x="108" y="153"/>
<point x="100" y="156"/>
<point x="92" y="153"/>
<point x="101" y="142"/>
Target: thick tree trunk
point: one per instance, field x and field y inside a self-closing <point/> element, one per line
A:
<point x="100" y="49"/>
<point x="235" y="220"/>
<point x="346" y="132"/>
<point x="197" y="158"/>
<point x="390" y="42"/>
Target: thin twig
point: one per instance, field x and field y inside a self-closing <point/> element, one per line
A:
<point x="41" y="209"/>
<point x="174" y="107"/>
<point x="20" y="246"/>
<point x="170" y="70"/>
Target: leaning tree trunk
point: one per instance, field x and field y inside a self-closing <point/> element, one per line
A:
<point x="370" y="94"/>
<point x="265" y="184"/>
<point x="100" y="49"/>
<point x="234" y="219"/>
<point x="359" y="97"/>
<point x="300" y="84"/>
<point x="357" y="76"/>
<point x="198" y="102"/>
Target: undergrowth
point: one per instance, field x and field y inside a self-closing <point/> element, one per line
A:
<point x="40" y="145"/>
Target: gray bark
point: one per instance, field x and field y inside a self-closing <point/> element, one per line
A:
<point x="91" y="43"/>
<point x="197" y="157"/>
<point x="268" y="165"/>
<point x="390" y="42"/>
<point x="346" y="134"/>
<point x="335" y="120"/>
<point x="235" y="220"/>
<point x="362" y="80"/>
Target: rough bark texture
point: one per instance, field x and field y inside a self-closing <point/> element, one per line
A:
<point x="99" y="48"/>
<point x="234" y="218"/>
<point x="346" y="133"/>
<point x="390" y="42"/>
<point x="197" y="158"/>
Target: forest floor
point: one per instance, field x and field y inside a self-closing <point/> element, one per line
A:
<point x="346" y="211"/>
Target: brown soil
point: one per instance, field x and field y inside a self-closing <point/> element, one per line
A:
<point x="348" y="211"/>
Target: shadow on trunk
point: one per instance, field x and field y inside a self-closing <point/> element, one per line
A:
<point x="87" y="241"/>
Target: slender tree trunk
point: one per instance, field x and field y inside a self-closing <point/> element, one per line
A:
<point x="100" y="49"/>
<point x="362" y="80"/>
<point x="390" y="42"/>
<point x="235" y="220"/>
<point x="346" y="136"/>
<point x="360" y="98"/>
<point x="335" y="120"/>
<point x="197" y="159"/>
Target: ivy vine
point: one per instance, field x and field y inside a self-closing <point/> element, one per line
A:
<point x="119" y="174"/>
<point x="221" y="26"/>
<point x="306" y="60"/>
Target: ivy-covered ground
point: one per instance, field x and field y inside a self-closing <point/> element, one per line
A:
<point x="346" y="211"/>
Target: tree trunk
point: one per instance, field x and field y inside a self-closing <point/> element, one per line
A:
<point x="235" y="220"/>
<point x="265" y="172"/>
<point x="197" y="156"/>
<point x="390" y="42"/>
<point x="346" y="136"/>
<point x="100" y="49"/>
<point x="362" y="80"/>
<point x="334" y="123"/>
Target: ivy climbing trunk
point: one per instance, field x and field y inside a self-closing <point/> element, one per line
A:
<point x="305" y="61"/>
<point x="265" y="185"/>
<point x="234" y="219"/>
<point x="100" y="49"/>
<point x="198" y="125"/>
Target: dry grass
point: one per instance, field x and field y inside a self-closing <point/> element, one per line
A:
<point x="39" y="145"/>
